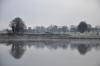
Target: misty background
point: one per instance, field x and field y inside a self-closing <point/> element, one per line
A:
<point x="47" y="12"/>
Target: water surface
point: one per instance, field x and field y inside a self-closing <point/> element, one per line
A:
<point x="49" y="53"/>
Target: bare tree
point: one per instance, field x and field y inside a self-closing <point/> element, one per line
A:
<point x="82" y="27"/>
<point x="17" y="25"/>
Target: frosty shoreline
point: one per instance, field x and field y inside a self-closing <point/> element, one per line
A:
<point x="49" y="37"/>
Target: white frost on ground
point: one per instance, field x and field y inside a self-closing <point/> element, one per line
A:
<point x="86" y="34"/>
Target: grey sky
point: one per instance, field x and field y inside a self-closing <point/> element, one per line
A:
<point x="47" y="12"/>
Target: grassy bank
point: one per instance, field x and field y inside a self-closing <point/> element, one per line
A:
<point x="5" y="36"/>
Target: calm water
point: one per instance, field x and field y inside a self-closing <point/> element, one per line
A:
<point x="50" y="53"/>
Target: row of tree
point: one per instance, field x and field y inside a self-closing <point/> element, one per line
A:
<point x="17" y="26"/>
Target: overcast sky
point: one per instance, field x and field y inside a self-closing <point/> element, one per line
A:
<point x="47" y="12"/>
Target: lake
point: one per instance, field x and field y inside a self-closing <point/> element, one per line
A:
<point x="50" y="53"/>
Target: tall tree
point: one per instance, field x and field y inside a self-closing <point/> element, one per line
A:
<point x="82" y="27"/>
<point x="17" y="25"/>
<point x="89" y="27"/>
<point x="64" y="29"/>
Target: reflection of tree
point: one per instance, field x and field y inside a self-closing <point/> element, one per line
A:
<point x="18" y="49"/>
<point x="82" y="48"/>
<point x="56" y="45"/>
<point x="97" y="46"/>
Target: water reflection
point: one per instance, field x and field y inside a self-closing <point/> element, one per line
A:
<point x="82" y="48"/>
<point x="18" y="48"/>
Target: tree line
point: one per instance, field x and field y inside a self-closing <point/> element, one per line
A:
<point x="17" y="25"/>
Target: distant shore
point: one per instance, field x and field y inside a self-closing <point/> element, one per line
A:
<point x="46" y="37"/>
